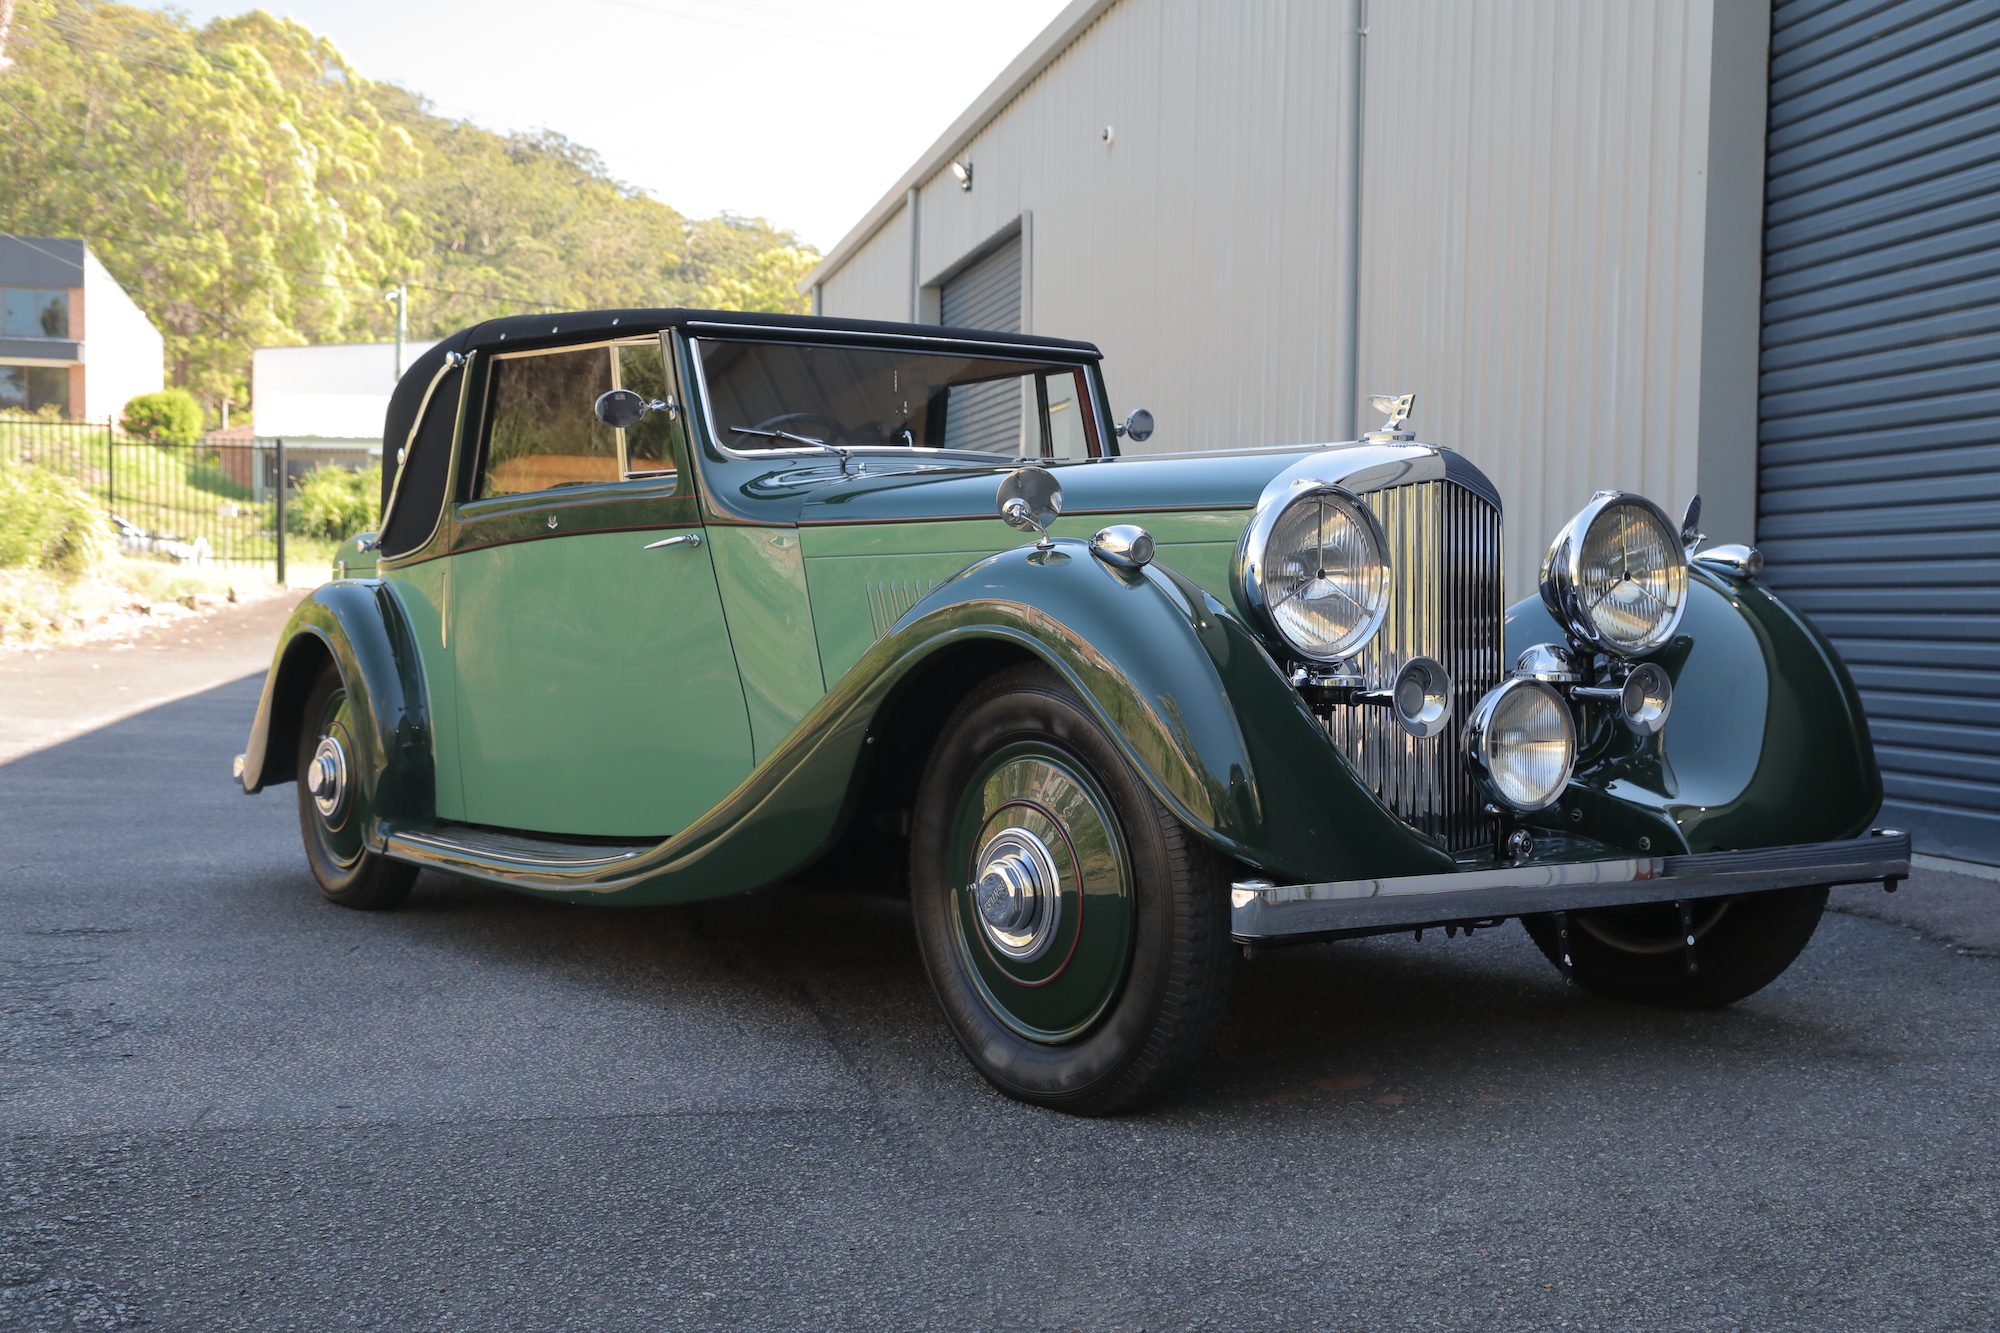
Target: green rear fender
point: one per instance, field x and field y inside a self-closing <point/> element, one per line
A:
<point x="359" y="625"/>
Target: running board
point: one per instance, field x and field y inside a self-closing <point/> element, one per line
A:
<point x="483" y="852"/>
<point x="1262" y="912"/>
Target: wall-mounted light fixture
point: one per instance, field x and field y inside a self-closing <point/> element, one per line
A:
<point x="962" y="172"/>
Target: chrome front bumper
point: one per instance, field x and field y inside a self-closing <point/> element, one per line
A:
<point x="1267" y="913"/>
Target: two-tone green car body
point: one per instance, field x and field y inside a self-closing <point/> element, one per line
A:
<point x="672" y="604"/>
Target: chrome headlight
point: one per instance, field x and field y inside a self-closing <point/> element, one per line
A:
<point x="1521" y="741"/>
<point x="1313" y="567"/>
<point x="1617" y="574"/>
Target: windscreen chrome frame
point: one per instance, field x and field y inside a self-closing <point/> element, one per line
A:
<point x="945" y="346"/>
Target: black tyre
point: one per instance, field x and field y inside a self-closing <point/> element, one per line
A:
<point x="330" y="819"/>
<point x="1076" y="934"/>
<point x="1641" y="954"/>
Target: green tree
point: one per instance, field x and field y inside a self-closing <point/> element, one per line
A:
<point x="251" y="189"/>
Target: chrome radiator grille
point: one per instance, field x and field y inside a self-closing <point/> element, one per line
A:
<point x="1445" y="603"/>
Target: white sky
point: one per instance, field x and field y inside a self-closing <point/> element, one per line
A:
<point x="801" y="111"/>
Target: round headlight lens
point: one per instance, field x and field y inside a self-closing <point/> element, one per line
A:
<point x="1617" y="574"/>
<point x="1317" y="569"/>
<point x="1522" y="741"/>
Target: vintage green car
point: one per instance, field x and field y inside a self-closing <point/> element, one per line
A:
<point x="669" y="604"/>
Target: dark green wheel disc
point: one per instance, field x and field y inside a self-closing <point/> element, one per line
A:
<point x="1043" y="902"/>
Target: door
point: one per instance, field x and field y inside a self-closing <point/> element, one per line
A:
<point x="597" y="693"/>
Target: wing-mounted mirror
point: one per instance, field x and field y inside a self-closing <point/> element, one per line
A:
<point x="1030" y="499"/>
<point x="621" y="409"/>
<point x="1138" y="425"/>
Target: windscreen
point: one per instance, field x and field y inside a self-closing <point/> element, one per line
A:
<point x="781" y="396"/>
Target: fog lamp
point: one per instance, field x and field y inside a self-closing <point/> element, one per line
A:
<point x="1521" y="742"/>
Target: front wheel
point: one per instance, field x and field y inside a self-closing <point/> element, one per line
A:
<point x="1076" y="934"/>
<point x="1642" y="954"/>
<point x="330" y="818"/>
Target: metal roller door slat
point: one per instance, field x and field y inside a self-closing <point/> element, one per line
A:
<point x="1848" y="471"/>
<point x="1879" y="509"/>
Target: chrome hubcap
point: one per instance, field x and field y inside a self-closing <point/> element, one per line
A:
<point x="1018" y="894"/>
<point x="327" y="777"/>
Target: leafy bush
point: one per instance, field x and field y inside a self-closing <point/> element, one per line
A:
<point x="49" y="522"/>
<point x="333" y="502"/>
<point x="171" y="416"/>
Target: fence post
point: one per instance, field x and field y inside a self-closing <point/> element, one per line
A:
<point x="110" y="468"/>
<point x="283" y="486"/>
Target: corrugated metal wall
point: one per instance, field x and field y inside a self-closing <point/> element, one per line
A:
<point x="1216" y="302"/>
<point x="875" y="283"/>
<point x="1540" y="213"/>
<point x="1531" y="254"/>
<point x="1880" y="510"/>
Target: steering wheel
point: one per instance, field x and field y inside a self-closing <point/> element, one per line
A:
<point x="835" y="431"/>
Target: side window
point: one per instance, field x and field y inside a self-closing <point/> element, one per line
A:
<point x="543" y="430"/>
<point x="650" y="446"/>
<point x="1064" y="402"/>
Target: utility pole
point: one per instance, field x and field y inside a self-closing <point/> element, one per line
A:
<point x="400" y="297"/>
<point x="284" y="484"/>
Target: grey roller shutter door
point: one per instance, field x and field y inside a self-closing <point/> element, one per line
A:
<point x="987" y="295"/>
<point x="1879" y="508"/>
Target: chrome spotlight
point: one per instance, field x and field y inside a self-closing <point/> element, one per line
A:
<point x="1521" y="742"/>
<point x="1616" y="575"/>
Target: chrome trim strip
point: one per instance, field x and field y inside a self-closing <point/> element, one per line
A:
<point x="765" y="332"/>
<point x="1262" y="911"/>
<point x="483" y="855"/>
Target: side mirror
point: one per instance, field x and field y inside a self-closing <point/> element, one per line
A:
<point x="1029" y="500"/>
<point x="1138" y="424"/>
<point x="621" y="409"/>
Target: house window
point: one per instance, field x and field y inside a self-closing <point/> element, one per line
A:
<point x="34" y="388"/>
<point x="35" y="312"/>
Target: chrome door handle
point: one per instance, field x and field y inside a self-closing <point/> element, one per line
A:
<point x="685" y="539"/>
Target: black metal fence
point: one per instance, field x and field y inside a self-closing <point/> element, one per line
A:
<point x="214" y="501"/>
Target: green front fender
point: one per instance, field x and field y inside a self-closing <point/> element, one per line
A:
<point x="1184" y="690"/>
<point x="1766" y="744"/>
<point x="360" y="627"/>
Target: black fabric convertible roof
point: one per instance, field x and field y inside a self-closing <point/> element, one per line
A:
<point x="538" y="330"/>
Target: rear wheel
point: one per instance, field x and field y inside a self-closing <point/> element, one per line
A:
<point x="330" y="817"/>
<point x="1076" y="934"/>
<point x="1741" y="945"/>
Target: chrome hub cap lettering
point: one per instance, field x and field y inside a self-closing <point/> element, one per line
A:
<point x="1018" y="894"/>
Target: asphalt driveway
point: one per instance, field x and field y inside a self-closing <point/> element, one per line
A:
<point x="225" y="1104"/>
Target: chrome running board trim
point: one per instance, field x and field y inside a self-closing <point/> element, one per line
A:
<point x="1263" y="912"/>
<point x="476" y="852"/>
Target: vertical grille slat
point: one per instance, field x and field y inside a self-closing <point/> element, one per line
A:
<point x="1445" y="602"/>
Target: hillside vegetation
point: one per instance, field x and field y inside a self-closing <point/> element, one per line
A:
<point x="250" y="188"/>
